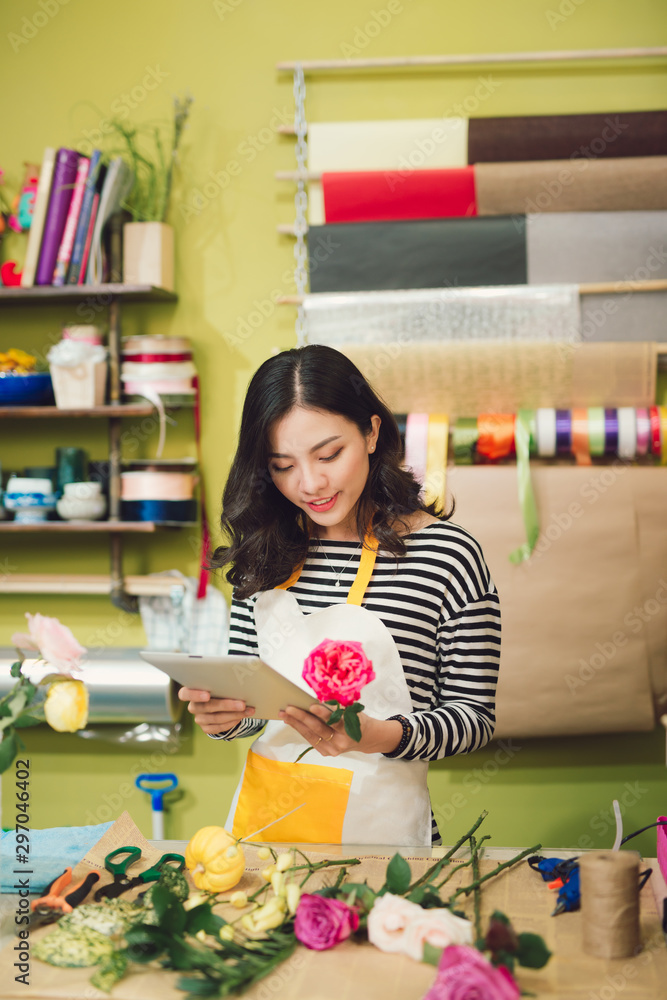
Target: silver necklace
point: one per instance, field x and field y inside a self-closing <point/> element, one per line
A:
<point x="337" y="577"/>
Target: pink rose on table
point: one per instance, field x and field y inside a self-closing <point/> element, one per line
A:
<point x="322" y="922"/>
<point x="52" y="640"/>
<point x="337" y="670"/>
<point x="464" y="974"/>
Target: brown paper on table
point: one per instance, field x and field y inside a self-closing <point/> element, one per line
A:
<point x="355" y="969"/>
<point x="576" y="657"/>
<point x="484" y="376"/>
<point x="581" y="185"/>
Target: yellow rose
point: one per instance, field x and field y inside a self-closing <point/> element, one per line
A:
<point x="66" y="706"/>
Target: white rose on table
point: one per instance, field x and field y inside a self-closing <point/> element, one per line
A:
<point x="397" y="925"/>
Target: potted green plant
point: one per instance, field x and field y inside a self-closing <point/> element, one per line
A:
<point x="148" y="241"/>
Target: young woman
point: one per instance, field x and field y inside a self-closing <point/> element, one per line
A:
<point x="330" y="538"/>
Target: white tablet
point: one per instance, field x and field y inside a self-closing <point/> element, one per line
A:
<point x="246" y="678"/>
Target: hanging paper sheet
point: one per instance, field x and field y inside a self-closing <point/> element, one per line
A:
<point x="596" y="246"/>
<point x="428" y="253"/>
<point x="577" y="658"/>
<point x="517" y="312"/>
<point x="460" y="378"/>
<point x="562" y="137"/>
<point x="629" y="184"/>
<point x="624" y="316"/>
<point x="400" y="145"/>
<point x="383" y="195"/>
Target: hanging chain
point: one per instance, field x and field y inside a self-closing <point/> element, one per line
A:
<point x="300" y="201"/>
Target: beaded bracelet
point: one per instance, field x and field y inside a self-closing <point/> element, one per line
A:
<point x="405" y="738"/>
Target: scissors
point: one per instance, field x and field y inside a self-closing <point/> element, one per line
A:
<point x="56" y="901"/>
<point x="122" y="882"/>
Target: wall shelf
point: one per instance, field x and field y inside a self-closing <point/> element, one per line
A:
<point x="106" y="297"/>
<point x="96" y="527"/>
<point x="49" y="294"/>
<point x="117" y="410"/>
<point x="90" y="584"/>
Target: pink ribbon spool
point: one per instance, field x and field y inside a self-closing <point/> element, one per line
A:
<point x="156" y="485"/>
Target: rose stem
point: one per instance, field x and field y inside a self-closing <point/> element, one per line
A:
<point x="506" y="864"/>
<point x="477" y="894"/>
<point x="463" y="864"/>
<point x="433" y="871"/>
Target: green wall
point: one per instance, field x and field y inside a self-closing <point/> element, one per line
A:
<point x="84" y="60"/>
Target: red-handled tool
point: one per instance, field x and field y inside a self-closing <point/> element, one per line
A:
<point x="55" y="902"/>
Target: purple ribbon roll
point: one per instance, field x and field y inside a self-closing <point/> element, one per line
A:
<point x="611" y="432"/>
<point x="563" y="432"/>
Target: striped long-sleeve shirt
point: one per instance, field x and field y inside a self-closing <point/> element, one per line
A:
<point x="439" y="604"/>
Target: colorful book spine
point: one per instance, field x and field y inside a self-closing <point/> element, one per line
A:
<point x="84" y="218"/>
<point x="38" y="218"/>
<point x="89" y="239"/>
<point x="67" y="241"/>
<point x="62" y="189"/>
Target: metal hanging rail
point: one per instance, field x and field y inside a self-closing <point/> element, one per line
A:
<point x="416" y="62"/>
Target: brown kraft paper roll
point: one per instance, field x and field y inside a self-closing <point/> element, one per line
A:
<point x="578" y="185"/>
<point x="610" y="903"/>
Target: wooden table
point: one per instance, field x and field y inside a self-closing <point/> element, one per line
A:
<point x="352" y="970"/>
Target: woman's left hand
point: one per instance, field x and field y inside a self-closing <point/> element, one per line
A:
<point x="377" y="735"/>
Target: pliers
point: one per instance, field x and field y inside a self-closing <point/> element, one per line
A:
<point x="55" y="902"/>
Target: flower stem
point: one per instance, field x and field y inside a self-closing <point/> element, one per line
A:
<point x="436" y="868"/>
<point x="496" y="871"/>
<point x="477" y="894"/>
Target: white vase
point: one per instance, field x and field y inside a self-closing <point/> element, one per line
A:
<point x="148" y="254"/>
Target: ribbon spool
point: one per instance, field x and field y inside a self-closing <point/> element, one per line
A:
<point x="610" y="903"/>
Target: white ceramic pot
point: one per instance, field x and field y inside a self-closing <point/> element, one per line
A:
<point x="88" y="508"/>
<point x="82" y="491"/>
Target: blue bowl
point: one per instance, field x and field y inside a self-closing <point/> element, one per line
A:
<point x="34" y="389"/>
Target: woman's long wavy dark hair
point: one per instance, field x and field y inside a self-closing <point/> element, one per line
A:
<point x="267" y="533"/>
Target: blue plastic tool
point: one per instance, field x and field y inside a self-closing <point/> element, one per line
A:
<point x="157" y="785"/>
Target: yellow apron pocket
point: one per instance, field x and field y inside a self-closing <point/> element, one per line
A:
<point x="271" y="788"/>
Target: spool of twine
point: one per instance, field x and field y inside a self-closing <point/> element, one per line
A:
<point x="610" y="903"/>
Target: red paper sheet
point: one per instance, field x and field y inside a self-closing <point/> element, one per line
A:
<point x="385" y="195"/>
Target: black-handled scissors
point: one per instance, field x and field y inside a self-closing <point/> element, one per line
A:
<point x="122" y="882"/>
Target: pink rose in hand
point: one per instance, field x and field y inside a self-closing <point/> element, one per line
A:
<point x="464" y="974"/>
<point x="322" y="922"/>
<point x="54" y="642"/>
<point x="337" y="671"/>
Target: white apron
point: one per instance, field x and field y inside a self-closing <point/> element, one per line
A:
<point x="355" y="798"/>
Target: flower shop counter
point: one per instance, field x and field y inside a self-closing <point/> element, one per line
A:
<point x="355" y="969"/>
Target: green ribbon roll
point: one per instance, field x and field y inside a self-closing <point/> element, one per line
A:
<point x="525" y="422"/>
<point x="596" y="430"/>
<point x="465" y="436"/>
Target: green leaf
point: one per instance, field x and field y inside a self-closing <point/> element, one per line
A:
<point x="336" y="715"/>
<point x="352" y="726"/>
<point x="532" y="951"/>
<point x="196" y="987"/>
<point x="110" y="971"/>
<point x="398" y="876"/>
<point x="432" y="955"/>
<point x="24" y="721"/>
<point x="16" y="669"/>
<point x="145" y="943"/>
<point x="501" y="917"/>
<point x="5" y="710"/>
<point x="200" y="918"/>
<point x="8" y="750"/>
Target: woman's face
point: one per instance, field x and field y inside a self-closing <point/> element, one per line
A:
<point x="319" y="461"/>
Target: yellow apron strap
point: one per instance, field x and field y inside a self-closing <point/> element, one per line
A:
<point x="365" y="571"/>
<point x="361" y="580"/>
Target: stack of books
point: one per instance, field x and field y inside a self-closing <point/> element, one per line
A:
<point x="76" y="197"/>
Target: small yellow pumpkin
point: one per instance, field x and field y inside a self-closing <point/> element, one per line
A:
<point x="214" y="859"/>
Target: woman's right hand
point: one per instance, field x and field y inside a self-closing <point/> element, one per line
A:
<point x="214" y="715"/>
